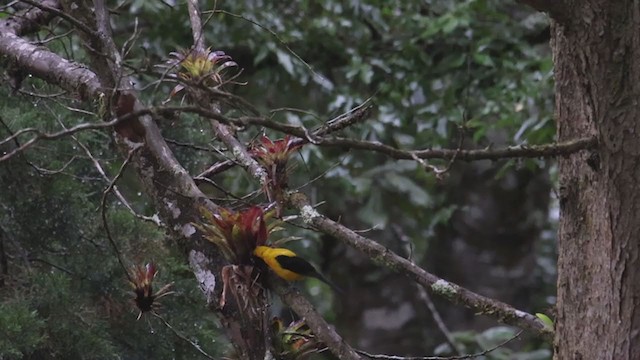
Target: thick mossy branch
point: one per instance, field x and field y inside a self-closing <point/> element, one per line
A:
<point x="385" y="257"/>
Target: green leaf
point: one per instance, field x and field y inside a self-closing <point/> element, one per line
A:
<point x="450" y="24"/>
<point x="403" y="184"/>
<point x="483" y="59"/>
<point x="546" y="320"/>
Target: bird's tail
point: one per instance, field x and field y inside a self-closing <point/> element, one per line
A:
<point x="333" y="286"/>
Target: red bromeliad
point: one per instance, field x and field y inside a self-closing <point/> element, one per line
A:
<point x="275" y="152"/>
<point x="273" y="156"/>
<point x="236" y="233"/>
<point x="142" y="282"/>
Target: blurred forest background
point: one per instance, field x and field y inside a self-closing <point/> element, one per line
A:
<point x="441" y="74"/>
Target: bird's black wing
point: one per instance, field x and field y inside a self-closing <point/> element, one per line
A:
<point x="297" y="265"/>
<point x="302" y="267"/>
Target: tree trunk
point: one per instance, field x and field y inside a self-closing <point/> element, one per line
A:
<point x="597" y="69"/>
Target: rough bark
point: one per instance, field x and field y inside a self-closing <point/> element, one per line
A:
<point x="597" y="85"/>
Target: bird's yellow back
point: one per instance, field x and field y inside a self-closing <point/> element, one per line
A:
<point x="269" y="256"/>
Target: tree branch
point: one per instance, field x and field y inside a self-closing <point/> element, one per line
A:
<point x="105" y="56"/>
<point x="29" y="20"/>
<point x="315" y="137"/>
<point x="52" y="68"/>
<point x="240" y="152"/>
<point x="44" y="6"/>
<point x="51" y="136"/>
<point x="381" y="255"/>
<point x="359" y="113"/>
<point x="320" y="328"/>
<point x="196" y="24"/>
<point x="511" y="152"/>
<point x="518" y="151"/>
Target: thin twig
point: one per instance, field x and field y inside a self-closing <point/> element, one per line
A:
<point x="54" y="37"/>
<point x="274" y="34"/>
<point x="517" y="151"/>
<point x="183" y="337"/>
<point x="128" y="44"/>
<point x="47" y="262"/>
<point x="42" y="96"/>
<point x="424" y="296"/>
<point x="220" y="188"/>
<point x="216" y="169"/>
<point x="103" y="211"/>
<point x="44" y="171"/>
<point x="189" y="145"/>
<point x="39" y="135"/>
<point x="152" y="219"/>
<point x="155" y="220"/>
<point x="444" y="329"/>
<point x="37" y="168"/>
<point x="456" y="357"/>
